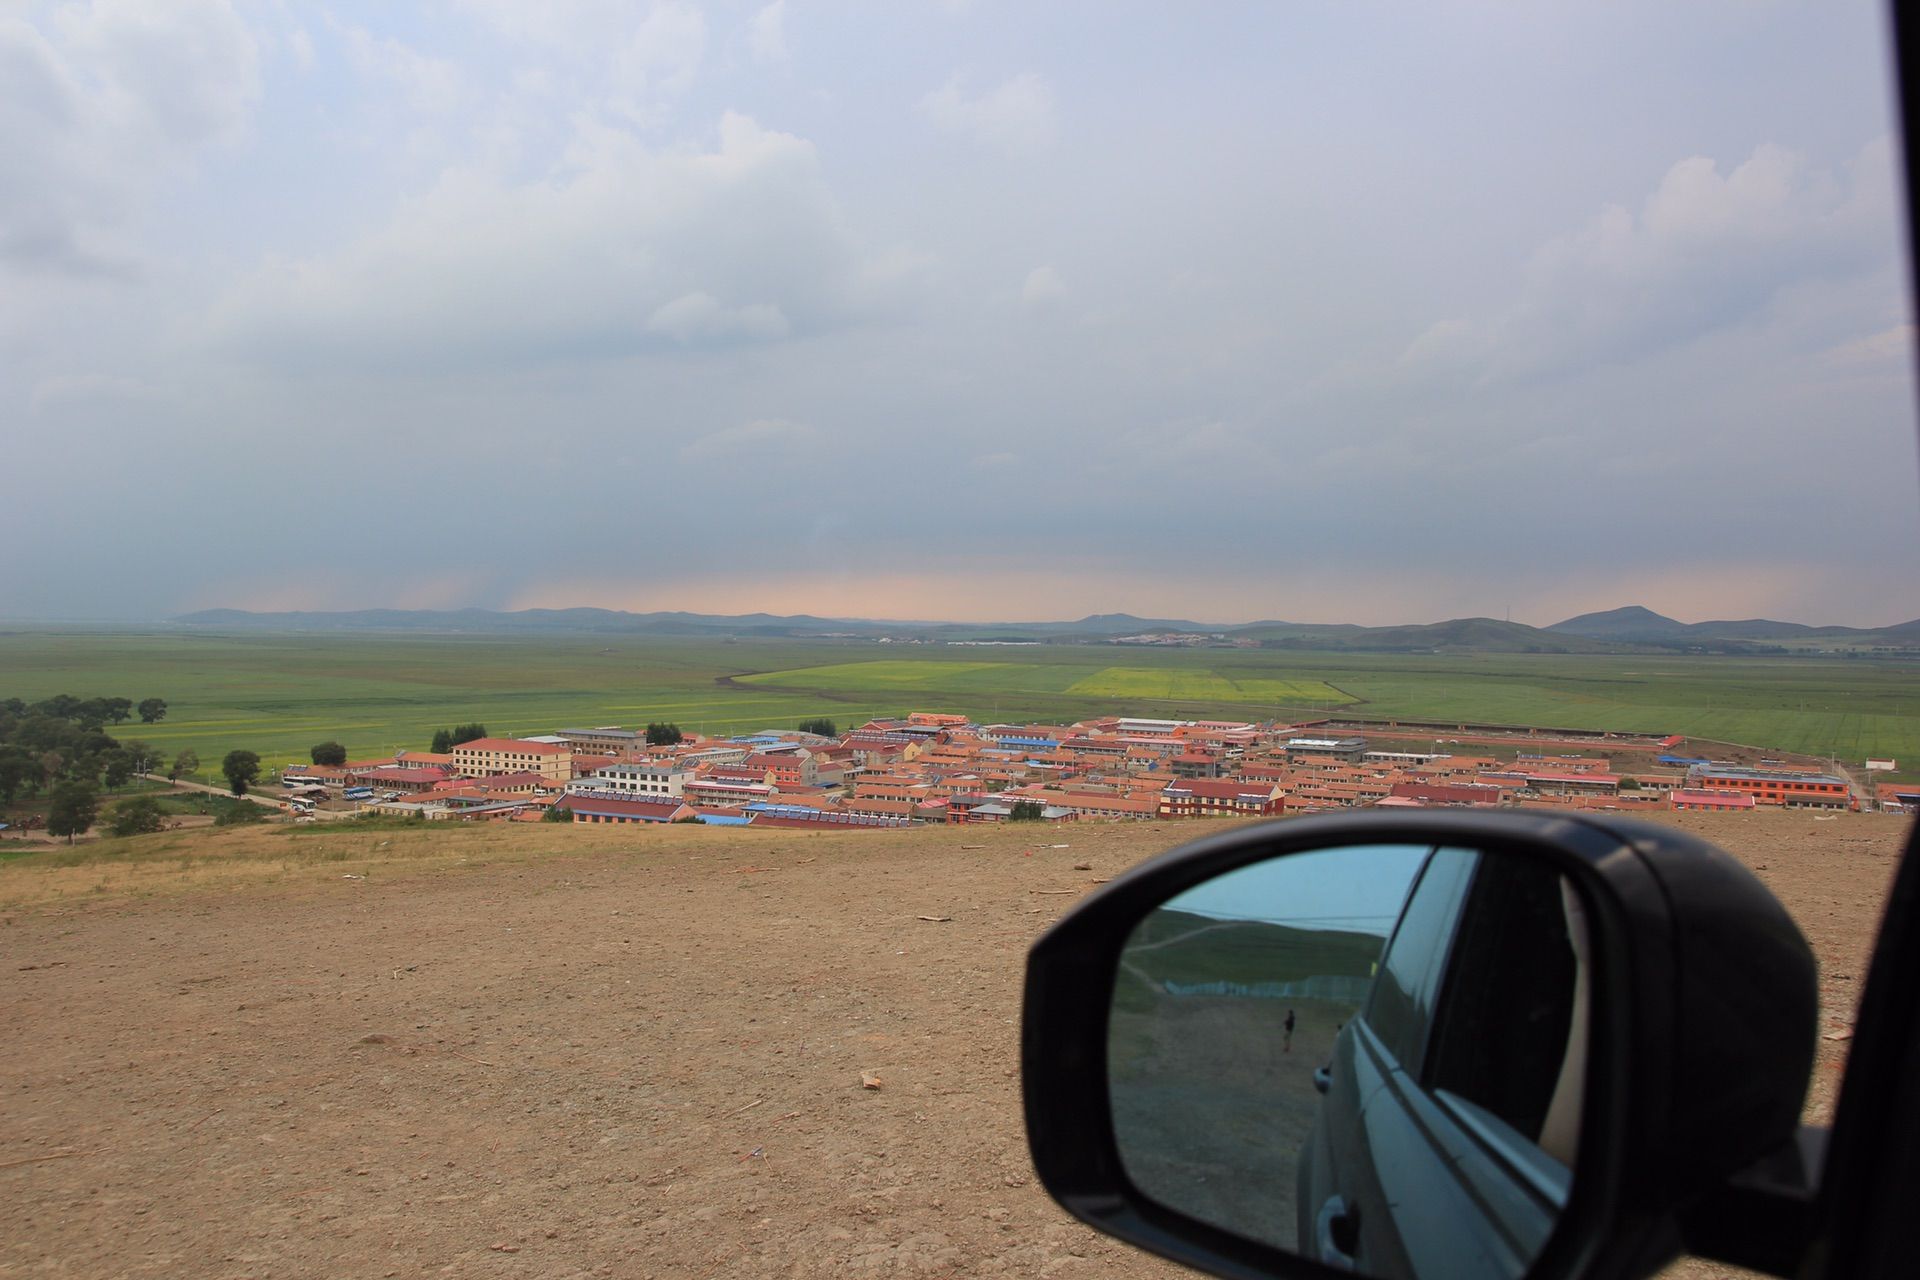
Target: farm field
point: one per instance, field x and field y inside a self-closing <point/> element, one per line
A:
<point x="279" y="694"/>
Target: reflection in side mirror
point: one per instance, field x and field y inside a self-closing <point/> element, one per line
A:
<point x="1363" y="1055"/>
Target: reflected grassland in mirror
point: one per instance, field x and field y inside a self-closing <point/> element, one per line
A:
<point x="1371" y="1055"/>
<point x="1213" y="1093"/>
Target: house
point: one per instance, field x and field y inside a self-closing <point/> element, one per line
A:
<point x="1712" y="801"/>
<point x="608" y="740"/>
<point x="650" y="781"/>
<point x="1345" y="750"/>
<point x="402" y="778"/>
<point x="603" y="809"/>
<point x="1446" y="793"/>
<point x="485" y="756"/>
<point x="1786" y="787"/>
<point x="1219" y="798"/>
<point x="1196" y="764"/>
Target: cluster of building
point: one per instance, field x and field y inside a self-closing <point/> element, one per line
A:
<point x="937" y="768"/>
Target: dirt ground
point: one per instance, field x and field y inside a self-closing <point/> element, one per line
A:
<point x="547" y="1051"/>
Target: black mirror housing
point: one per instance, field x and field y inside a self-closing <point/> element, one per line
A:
<point x="1703" y="1027"/>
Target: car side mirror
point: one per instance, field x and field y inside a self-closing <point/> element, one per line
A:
<point x="1494" y="1045"/>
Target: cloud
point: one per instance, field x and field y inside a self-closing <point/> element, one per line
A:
<point x="98" y="109"/>
<point x="1890" y="349"/>
<point x="1016" y="117"/>
<point x="693" y="317"/>
<point x="430" y="85"/>
<point x="1706" y="250"/>
<point x="767" y="34"/>
<point x="664" y="53"/>
<point x="1043" y="287"/>
<point x="752" y="439"/>
<point x="620" y="249"/>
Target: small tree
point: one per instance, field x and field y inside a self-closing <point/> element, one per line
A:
<point x="241" y="769"/>
<point x="183" y="764"/>
<point x="329" y="753"/>
<point x="73" y="807"/>
<point x="821" y="726"/>
<point x="144" y="756"/>
<point x="442" y="742"/>
<point x="1027" y="811"/>
<point x="557" y="813"/>
<point x="1629" y="784"/>
<point x="139" y="816"/>
<point x="152" y="710"/>
<point x="663" y="734"/>
<point x="466" y="733"/>
<point x="118" y="768"/>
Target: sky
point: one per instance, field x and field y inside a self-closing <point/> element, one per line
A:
<point x="1319" y="312"/>
<point x="1358" y="888"/>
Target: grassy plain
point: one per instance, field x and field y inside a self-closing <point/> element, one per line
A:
<point x="278" y="694"/>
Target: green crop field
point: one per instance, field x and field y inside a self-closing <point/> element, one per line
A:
<point x="279" y="694"/>
<point x="1196" y="685"/>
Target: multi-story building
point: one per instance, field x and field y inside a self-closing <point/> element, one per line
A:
<point x="607" y="740"/>
<point x="1788" y="787"/>
<point x="1220" y="798"/>
<point x="484" y="757"/>
<point x="665" y="781"/>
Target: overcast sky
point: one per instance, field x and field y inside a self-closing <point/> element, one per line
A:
<point x="1308" y="311"/>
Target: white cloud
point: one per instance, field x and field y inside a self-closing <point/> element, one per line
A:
<point x="98" y="110"/>
<point x="664" y="53"/>
<point x="623" y="247"/>
<point x="757" y="438"/>
<point x="1043" y="287"/>
<point x="430" y="85"/>
<point x="694" y="317"/>
<point x="1016" y="116"/>
<point x="1705" y="251"/>
<point x="767" y="34"/>
<point x="1890" y="349"/>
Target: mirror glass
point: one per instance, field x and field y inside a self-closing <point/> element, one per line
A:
<point x="1372" y="1056"/>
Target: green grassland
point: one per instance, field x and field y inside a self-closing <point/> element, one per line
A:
<point x="279" y="693"/>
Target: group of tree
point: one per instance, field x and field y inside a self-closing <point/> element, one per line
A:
<point x="820" y="725"/>
<point x="663" y="733"/>
<point x="63" y="739"/>
<point x="445" y="740"/>
<point x="1026" y="811"/>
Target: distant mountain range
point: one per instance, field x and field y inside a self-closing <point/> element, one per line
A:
<point x="1628" y="630"/>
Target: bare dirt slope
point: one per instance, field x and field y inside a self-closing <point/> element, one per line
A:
<point x="539" y="1051"/>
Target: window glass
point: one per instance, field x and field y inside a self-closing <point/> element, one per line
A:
<point x="1506" y="1002"/>
<point x="1401" y="1005"/>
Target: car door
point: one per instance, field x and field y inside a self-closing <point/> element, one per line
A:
<point x="1427" y="1146"/>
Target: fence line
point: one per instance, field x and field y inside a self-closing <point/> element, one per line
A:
<point x="1341" y="987"/>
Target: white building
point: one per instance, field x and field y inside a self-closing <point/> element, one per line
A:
<point x="642" y="781"/>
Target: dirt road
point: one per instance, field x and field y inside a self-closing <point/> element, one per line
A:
<point x="639" y="1055"/>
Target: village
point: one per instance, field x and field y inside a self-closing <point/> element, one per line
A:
<point x="938" y="768"/>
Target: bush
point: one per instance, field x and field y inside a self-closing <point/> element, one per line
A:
<point x="237" y="813"/>
<point x="142" y="815"/>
